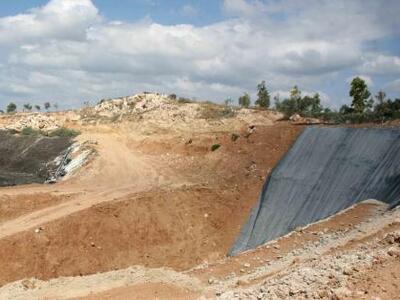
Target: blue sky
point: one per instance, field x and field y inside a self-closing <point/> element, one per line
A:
<point x="165" y="12"/>
<point x="71" y="51"/>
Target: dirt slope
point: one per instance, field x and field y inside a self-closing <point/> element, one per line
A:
<point x="156" y="210"/>
<point x="159" y="200"/>
<point x="345" y="257"/>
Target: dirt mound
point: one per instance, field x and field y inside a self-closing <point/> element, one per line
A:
<point x="161" y="111"/>
<point x="37" y="121"/>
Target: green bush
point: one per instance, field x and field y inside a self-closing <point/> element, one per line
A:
<point x="183" y="100"/>
<point x="30" y="131"/>
<point x="215" y="147"/>
<point x="64" y="132"/>
<point x="214" y="111"/>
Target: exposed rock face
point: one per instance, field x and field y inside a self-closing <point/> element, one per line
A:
<point x="154" y="105"/>
<point x="297" y="119"/>
<point x="164" y="111"/>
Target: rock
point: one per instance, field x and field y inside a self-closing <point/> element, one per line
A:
<point x="39" y="229"/>
<point x="241" y="282"/>
<point x="341" y="293"/>
<point x="246" y="265"/>
<point x="297" y="119"/>
<point x="28" y="284"/>
<point x="347" y="271"/>
<point x="38" y="121"/>
<point x="394" y="252"/>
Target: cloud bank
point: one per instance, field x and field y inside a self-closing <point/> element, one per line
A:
<point x="66" y="52"/>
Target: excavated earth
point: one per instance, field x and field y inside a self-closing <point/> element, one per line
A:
<point x="155" y="212"/>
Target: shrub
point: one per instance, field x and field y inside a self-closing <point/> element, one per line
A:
<point x="214" y="111"/>
<point x="64" y="132"/>
<point x="215" y="147"/>
<point x="11" y="108"/>
<point x="31" y="131"/>
<point x="234" y="137"/>
<point x="184" y="100"/>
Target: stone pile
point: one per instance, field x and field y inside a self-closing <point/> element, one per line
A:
<point x="41" y="122"/>
<point x="297" y="119"/>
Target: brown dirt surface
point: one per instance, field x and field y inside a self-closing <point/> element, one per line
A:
<point x="354" y="257"/>
<point x="153" y="201"/>
<point x="154" y="213"/>
<point x="12" y="206"/>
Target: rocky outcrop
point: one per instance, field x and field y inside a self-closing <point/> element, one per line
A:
<point x="43" y="122"/>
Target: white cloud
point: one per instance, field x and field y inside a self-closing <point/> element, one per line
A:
<point x="65" y="50"/>
<point x="381" y="64"/>
<point x="243" y="7"/>
<point x="59" y="19"/>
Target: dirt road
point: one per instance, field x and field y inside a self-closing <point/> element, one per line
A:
<point x="116" y="171"/>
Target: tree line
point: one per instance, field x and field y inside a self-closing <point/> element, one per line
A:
<point x="12" y="107"/>
<point x="363" y="108"/>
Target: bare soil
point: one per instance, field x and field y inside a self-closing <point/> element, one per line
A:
<point x="165" y="201"/>
<point x="153" y="215"/>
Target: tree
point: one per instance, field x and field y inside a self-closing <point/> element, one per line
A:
<point x="12" y="107"/>
<point x="244" y="101"/>
<point x="359" y="92"/>
<point x="28" y="107"/>
<point x="388" y="109"/>
<point x="37" y="107"/>
<point x="47" y="105"/>
<point x="55" y="106"/>
<point x="295" y="93"/>
<point x="316" y="107"/>
<point x="309" y="106"/>
<point x="263" y="99"/>
<point x="345" y="109"/>
<point x="380" y="97"/>
<point x="228" y="102"/>
<point x="277" y="100"/>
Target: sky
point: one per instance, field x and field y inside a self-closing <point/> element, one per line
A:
<point x="73" y="51"/>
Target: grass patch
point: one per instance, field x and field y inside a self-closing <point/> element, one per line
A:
<point x="214" y="112"/>
<point x="29" y="131"/>
<point x="64" y="132"/>
<point x="183" y="100"/>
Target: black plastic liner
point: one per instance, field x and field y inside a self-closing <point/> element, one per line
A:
<point x="327" y="170"/>
<point x="29" y="159"/>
